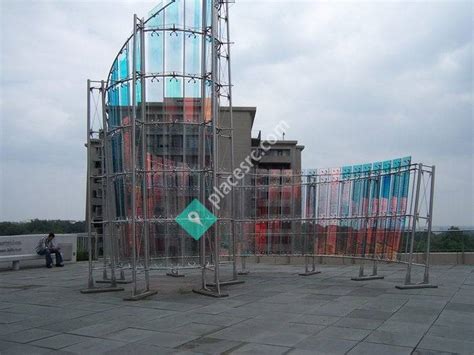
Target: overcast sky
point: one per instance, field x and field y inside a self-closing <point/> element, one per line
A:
<point x="357" y="82"/>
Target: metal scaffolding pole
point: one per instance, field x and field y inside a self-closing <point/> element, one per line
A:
<point x="90" y="285"/>
<point x="426" y="276"/>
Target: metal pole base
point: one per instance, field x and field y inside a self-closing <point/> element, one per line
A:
<point x="309" y="273"/>
<point x="141" y="296"/>
<point x="226" y="283"/>
<point x="102" y="289"/>
<point x="120" y="282"/>
<point x="243" y="272"/>
<point x="368" y="277"/>
<point x="415" y="286"/>
<point x="174" y="273"/>
<point x="209" y="293"/>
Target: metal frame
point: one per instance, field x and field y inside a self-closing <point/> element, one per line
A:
<point x="140" y="224"/>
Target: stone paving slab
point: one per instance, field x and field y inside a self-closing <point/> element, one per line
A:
<point x="274" y="312"/>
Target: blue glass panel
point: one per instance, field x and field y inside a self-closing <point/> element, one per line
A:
<point x="174" y="87"/>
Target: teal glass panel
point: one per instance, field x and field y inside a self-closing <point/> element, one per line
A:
<point x="156" y="16"/>
<point x="346" y="172"/>
<point x="154" y="89"/>
<point x="174" y="87"/>
<point x="123" y="65"/>
<point x="377" y="166"/>
<point x="174" y="14"/>
<point x="114" y="73"/>
<point x="138" y="91"/>
<point x="192" y="88"/>
<point x="387" y="165"/>
<point x="386" y="180"/>
<point x="173" y="51"/>
<point x="124" y="92"/>
<point x="366" y="168"/>
<point x="406" y="161"/>
<point x="137" y="54"/>
<point x="396" y="163"/>
<point x="193" y="55"/>
<point x="154" y="52"/>
<point x="357" y="169"/>
<point x="193" y="14"/>
<point x="209" y="12"/>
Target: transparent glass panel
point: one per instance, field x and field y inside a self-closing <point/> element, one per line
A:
<point x="154" y="90"/>
<point x="193" y="14"/>
<point x="174" y="14"/>
<point x="193" y="55"/>
<point x="174" y="44"/>
<point x="174" y="87"/>
<point x="154" y="52"/>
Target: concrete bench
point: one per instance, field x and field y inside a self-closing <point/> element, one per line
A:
<point x="15" y="259"/>
<point x="67" y="251"/>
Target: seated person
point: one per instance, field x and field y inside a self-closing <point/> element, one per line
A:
<point x="46" y="247"/>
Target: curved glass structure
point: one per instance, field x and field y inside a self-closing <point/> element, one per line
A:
<point x="162" y="97"/>
<point x="166" y="147"/>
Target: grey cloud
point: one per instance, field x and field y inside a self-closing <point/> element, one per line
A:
<point x="356" y="81"/>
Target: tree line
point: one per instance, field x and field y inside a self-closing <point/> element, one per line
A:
<point x="42" y="226"/>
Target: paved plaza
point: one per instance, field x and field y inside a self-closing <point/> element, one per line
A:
<point x="274" y="312"/>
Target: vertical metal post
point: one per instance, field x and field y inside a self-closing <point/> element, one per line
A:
<point x="133" y="153"/>
<point x="232" y="153"/>
<point x="107" y="236"/>
<point x="426" y="277"/>
<point x="215" y="141"/>
<point x="202" y="137"/>
<point x="90" y="283"/>
<point x="413" y="226"/>
<point x="146" y="234"/>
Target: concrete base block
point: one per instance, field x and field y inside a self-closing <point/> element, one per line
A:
<point x="415" y="286"/>
<point x="226" y="283"/>
<point x="209" y="293"/>
<point x="174" y="274"/>
<point x="366" y="278"/>
<point x="309" y="273"/>
<point x="102" y="289"/>
<point x="140" y="296"/>
<point x="119" y="282"/>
